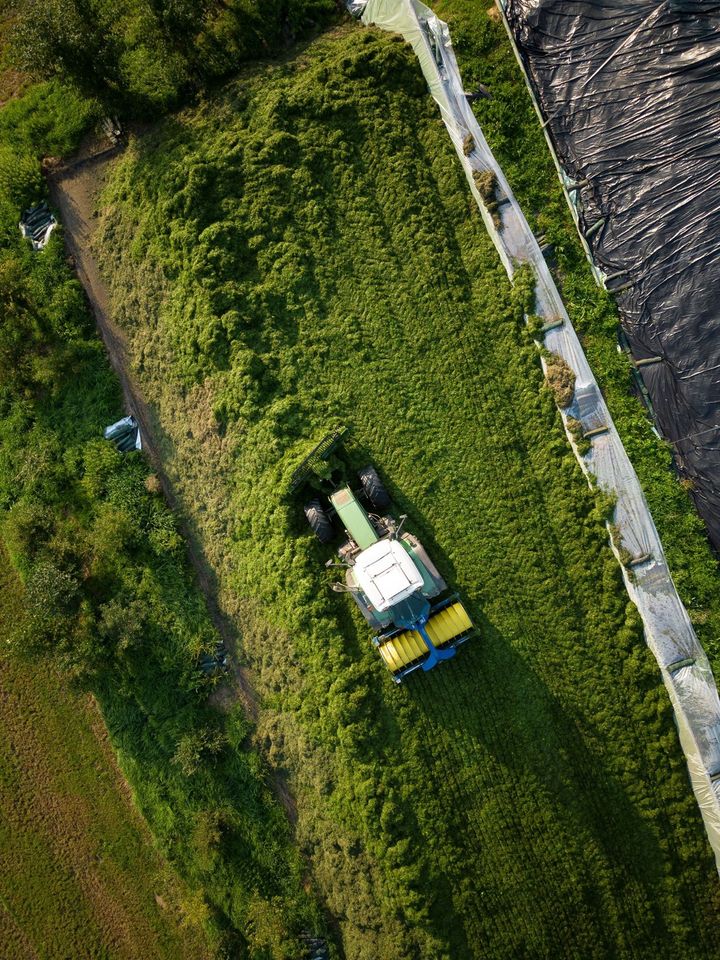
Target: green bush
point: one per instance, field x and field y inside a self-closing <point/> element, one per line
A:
<point x="145" y="55"/>
<point x="49" y="119"/>
<point x="106" y="593"/>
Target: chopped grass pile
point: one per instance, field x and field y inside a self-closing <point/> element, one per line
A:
<point x="561" y="379"/>
<point x="486" y="183"/>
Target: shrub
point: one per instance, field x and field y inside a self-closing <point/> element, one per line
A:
<point x="195" y="748"/>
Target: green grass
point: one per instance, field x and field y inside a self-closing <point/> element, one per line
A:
<point x="80" y="875"/>
<point x="513" y="131"/>
<point x="304" y="250"/>
<point x="107" y="596"/>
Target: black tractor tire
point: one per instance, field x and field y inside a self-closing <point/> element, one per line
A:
<point x="319" y="521"/>
<point x="374" y="488"/>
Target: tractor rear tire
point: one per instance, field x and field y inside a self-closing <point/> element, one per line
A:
<point x="374" y="488"/>
<point x="319" y="521"/>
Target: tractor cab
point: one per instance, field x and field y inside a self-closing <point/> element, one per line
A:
<point x="388" y="572"/>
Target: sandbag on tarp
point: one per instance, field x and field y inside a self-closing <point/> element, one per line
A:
<point x="631" y="90"/>
<point x="37" y="223"/>
<point x="125" y="434"/>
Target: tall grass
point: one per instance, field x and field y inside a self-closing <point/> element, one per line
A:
<point x="108" y="597"/>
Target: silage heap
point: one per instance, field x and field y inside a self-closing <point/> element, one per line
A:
<point x="630" y="92"/>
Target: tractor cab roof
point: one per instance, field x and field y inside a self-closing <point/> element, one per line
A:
<point x="386" y="574"/>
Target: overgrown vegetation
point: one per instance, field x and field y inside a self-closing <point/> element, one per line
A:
<point x="144" y="55"/>
<point x="106" y="592"/>
<point x="305" y="251"/>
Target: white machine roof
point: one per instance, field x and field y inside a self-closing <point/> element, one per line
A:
<point x="386" y="574"/>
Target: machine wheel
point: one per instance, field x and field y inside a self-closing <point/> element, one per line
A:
<point x="374" y="488"/>
<point x="319" y="521"/>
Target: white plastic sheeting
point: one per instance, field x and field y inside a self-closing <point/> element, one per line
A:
<point x="668" y="631"/>
<point x="37" y="224"/>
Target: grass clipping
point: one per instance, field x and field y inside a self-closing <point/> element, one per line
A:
<point x="561" y="378"/>
<point x="486" y="184"/>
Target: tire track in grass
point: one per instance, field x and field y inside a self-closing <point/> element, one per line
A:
<point x="400" y="377"/>
<point x="458" y="759"/>
<point x="450" y="758"/>
<point x="547" y="557"/>
<point x="473" y="786"/>
<point x="601" y="815"/>
<point x="449" y="790"/>
<point x="479" y="415"/>
<point x="477" y="407"/>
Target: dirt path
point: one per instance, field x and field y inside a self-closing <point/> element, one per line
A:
<point x="74" y="190"/>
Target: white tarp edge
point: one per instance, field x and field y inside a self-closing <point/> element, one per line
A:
<point x="668" y="632"/>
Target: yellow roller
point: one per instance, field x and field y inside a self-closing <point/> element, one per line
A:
<point x="404" y="648"/>
<point x="400" y="651"/>
<point x="447" y="624"/>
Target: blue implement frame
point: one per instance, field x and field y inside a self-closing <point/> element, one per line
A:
<point x="434" y="655"/>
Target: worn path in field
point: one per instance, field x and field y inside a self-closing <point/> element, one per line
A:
<point x="74" y="189"/>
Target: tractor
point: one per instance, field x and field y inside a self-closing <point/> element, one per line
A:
<point x="388" y="572"/>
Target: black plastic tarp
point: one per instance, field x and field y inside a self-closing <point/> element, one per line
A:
<point x="631" y="90"/>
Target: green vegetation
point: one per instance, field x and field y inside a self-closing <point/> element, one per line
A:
<point x="80" y="878"/>
<point x="144" y="55"/>
<point x="106" y="594"/>
<point x="305" y="250"/>
<point x="511" y="126"/>
<point x="300" y="251"/>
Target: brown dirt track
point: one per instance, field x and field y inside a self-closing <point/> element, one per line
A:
<point x="74" y="190"/>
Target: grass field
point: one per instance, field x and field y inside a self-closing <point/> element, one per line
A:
<point x="302" y="251"/>
<point x="106" y="598"/>
<point x="79" y="876"/>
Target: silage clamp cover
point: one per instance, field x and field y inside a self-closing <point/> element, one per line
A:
<point x="629" y="92"/>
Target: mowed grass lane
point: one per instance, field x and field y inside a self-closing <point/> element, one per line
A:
<point x="79" y="876"/>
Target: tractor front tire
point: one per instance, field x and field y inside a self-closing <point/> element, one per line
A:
<point x="319" y="521"/>
<point x="374" y="488"/>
